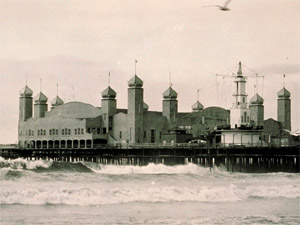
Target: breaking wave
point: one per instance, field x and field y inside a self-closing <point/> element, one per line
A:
<point x="102" y="196"/>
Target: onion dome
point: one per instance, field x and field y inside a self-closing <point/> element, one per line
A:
<point x="26" y="92"/>
<point x="284" y="93"/>
<point x="135" y="81"/>
<point x="145" y="106"/>
<point x="40" y="97"/>
<point x="170" y="93"/>
<point x="197" y="107"/>
<point x="57" y="101"/>
<point x="257" y="99"/>
<point x="109" y="93"/>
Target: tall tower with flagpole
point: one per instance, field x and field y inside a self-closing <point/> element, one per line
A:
<point x="239" y="112"/>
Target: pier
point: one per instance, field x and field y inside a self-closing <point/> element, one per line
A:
<point x="233" y="159"/>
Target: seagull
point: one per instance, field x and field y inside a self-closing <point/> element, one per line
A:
<point x="223" y="8"/>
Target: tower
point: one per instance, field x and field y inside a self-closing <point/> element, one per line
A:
<point x="170" y="107"/>
<point x="257" y="111"/>
<point x="40" y="105"/>
<point x="284" y="108"/>
<point x="239" y="112"/>
<point x="135" y="109"/>
<point x="108" y="107"/>
<point x="25" y="106"/>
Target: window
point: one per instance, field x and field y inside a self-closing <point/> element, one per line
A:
<point x="120" y="134"/>
<point x="82" y="131"/>
<point x="145" y="134"/>
<point x="104" y="130"/>
<point x="50" y="132"/>
<point x="244" y="99"/>
<point x="44" y="132"/>
<point x="203" y="120"/>
<point x="32" y="133"/>
<point x="153" y="132"/>
<point x="56" y="131"/>
<point x="69" y="131"/>
<point x="75" y="131"/>
<point x="98" y="130"/>
<point x="62" y="131"/>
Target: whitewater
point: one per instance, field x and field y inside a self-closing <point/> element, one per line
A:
<point x="51" y="192"/>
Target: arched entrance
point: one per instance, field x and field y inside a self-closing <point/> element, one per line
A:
<point x="89" y="143"/>
<point x="69" y="144"/>
<point x="75" y="143"/>
<point x="82" y="143"/>
<point x="63" y="144"/>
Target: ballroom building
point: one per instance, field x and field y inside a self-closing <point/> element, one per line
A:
<point x="81" y="125"/>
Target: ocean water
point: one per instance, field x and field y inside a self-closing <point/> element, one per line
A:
<point x="48" y="192"/>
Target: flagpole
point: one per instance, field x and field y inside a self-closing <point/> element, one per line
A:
<point x="135" y="66"/>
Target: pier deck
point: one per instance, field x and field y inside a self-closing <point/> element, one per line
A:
<point x="235" y="159"/>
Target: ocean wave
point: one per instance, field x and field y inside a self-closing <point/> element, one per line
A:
<point x="103" y="196"/>
<point x="24" y="164"/>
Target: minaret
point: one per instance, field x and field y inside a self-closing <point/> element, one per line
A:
<point x="239" y="112"/>
<point x="170" y="107"/>
<point x="284" y="108"/>
<point x="25" y="106"/>
<point x="135" y="109"/>
<point x="257" y="111"/>
<point x="40" y="105"/>
<point x="108" y="107"/>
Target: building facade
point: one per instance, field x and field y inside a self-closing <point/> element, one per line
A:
<point x="81" y="125"/>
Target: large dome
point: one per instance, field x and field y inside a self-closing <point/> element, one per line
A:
<point x="76" y="110"/>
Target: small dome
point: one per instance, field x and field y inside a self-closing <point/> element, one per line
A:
<point x="145" y="106"/>
<point x="26" y="92"/>
<point x="109" y="93"/>
<point x="284" y="93"/>
<point x="40" y="97"/>
<point x="257" y="99"/>
<point x="57" y="101"/>
<point x="170" y="93"/>
<point x="197" y="106"/>
<point x="135" y="81"/>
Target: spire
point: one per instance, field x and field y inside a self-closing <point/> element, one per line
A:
<point x="284" y="93"/>
<point x="170" y="80"/>
<point x="108" y="79"/>
<point x="240" y="73"/>
<point x="109" y="93"/>
<point x="135" y="62"/>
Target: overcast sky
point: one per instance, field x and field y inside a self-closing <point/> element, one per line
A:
<point x="76" y="44"/>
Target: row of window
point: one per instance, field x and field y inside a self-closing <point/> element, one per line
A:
<point x="65" y="131"/>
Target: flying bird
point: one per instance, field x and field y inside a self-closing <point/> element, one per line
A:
<point x="223" y="8"/>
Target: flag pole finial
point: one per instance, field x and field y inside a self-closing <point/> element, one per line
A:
<point x="108" y="78"/>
